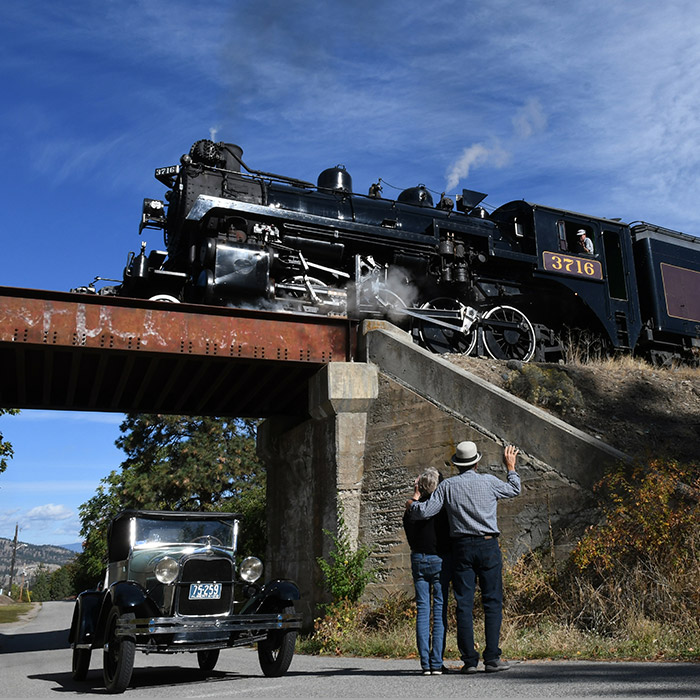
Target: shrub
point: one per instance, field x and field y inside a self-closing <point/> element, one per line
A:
<point x="548" y="387"/>
<point x="629" y="589"/>
<point x="642" y="562"/>
<point x="390" y="611"/>
<point x="385" y="627"/>
<point x="346" y="575"/>
<point x="583" y="347"/>
<point x="531" y="587"/>
<point x="651" y="515"/>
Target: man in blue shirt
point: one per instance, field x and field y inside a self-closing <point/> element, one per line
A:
<point x="470" y="500"/>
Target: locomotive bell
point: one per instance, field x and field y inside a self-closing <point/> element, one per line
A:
<point x="416" y="195"/>
<point x="337" y="179"/>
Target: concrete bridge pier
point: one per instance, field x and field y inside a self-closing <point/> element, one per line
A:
<point x="314" y="473"/>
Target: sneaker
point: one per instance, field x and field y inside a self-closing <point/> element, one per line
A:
<point x="426" y="671"/>
<point x="468" y="669"/>
<point x="496" y="665"/>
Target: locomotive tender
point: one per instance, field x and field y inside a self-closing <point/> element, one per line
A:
<point x="506" y="284"/>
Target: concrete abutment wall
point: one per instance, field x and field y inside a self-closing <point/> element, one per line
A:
<point x="375" y="426"/>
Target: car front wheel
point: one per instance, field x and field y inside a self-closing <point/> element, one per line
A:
<point x="207" y="659"/>
<point x="81" y="663"/>
<point x="275" y="652"/>
<point x="118" y="659"/>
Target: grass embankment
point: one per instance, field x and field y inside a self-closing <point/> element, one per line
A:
<point x="13" y="612"/>
<point x="387" y="629"/>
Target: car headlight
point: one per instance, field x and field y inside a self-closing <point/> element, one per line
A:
<point x="166" y="570"/>
<point x="251" y="569"/>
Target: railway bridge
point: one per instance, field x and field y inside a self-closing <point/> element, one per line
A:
<point x="352" y="414"/>
<point x="96" y="353"/>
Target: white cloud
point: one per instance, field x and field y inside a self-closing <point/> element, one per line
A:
<point x="49" y="519"/>
<point x="45" y="524"/>
<point x="50" y="511"/>
<point x="530" y="119"/>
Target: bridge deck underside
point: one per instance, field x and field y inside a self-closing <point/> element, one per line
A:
<point x="77" y="352"/>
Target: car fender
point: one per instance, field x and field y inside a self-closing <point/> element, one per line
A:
<point x="272" y="596"/>
<point x="85" y="616"/>
<point x="128" y="597"/>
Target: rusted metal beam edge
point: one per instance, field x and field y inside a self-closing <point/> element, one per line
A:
<point x="196" y="309"/>
<point x="70" y="323"/>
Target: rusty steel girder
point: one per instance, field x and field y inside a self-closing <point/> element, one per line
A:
<point x="80" y="352"/>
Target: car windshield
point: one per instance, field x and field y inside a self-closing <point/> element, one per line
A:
<point x="152" y="532"/>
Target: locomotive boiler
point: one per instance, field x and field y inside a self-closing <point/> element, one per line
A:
<point x="508" y="284"/>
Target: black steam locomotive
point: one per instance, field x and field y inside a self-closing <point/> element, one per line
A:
<point x="506" y="284"/>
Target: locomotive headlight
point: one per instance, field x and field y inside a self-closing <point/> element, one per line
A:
<point x="251" y="569"/>
<point x="166" y="570"/>
<point x="154" y="206"/>
<point x="152" y="214"/>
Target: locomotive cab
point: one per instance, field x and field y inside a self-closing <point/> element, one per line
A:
<point x="587" y="286"/>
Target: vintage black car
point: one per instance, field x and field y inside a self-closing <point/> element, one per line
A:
<point x="175" y="584"/>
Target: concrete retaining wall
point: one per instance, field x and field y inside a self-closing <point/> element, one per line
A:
<point x="376" y="425"/>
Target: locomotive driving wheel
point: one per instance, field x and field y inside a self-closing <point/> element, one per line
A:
<point x="441" y="340"/>
<point x="508" y="334"/>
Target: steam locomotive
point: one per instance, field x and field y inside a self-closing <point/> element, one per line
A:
<point x="507" y="284"/>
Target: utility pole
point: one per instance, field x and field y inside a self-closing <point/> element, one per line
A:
<point x="14" y="556"/>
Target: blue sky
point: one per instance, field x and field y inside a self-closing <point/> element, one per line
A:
<point x="591" y="106"/>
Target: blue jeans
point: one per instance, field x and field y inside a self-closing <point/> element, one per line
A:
<point x="431" y="574"/>
<point x="478" y="559"/>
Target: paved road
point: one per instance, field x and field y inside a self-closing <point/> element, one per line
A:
<point x="35" y="662"/>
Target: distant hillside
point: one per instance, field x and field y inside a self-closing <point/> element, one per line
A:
<point x="29" y="558"/>
<point x="75" y="547"/>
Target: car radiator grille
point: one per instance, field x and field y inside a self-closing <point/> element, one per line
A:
<point x="206" y="571"/>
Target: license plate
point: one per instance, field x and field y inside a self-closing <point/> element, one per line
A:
<point x="205" y="591"/>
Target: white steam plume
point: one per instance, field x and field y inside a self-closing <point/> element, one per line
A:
<point x="476" y="154"/>
<point x="528" y="121"/>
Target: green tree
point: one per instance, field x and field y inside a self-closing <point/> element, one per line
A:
<point x="177" y="463"/>
<point x="61" y="583"/>
<point x="6" y="451"/>
<point x="95" y="516"/>
<point x="184" y="462"/>
<point x="41" y="589"/>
